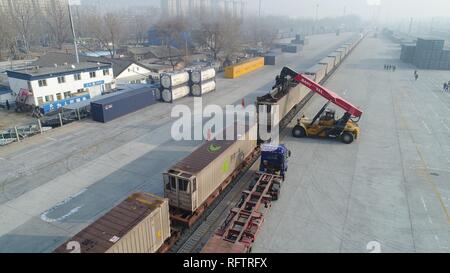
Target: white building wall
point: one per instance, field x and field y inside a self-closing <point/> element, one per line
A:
<point x="70" y="85"/>
<point x="131" y="72"/>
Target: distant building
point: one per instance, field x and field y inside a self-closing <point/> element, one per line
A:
<point x="35" y="5"/>
<point x="154" y="52"/>
<point x="59" y="83"/>
<point x="188" y="7"/>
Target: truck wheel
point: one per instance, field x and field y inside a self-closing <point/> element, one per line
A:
<point x="347" y="138"/>
<point x="298" y="132"/>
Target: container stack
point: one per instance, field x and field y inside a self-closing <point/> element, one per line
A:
<point x="291" y="48"/>
<point x="300" y="40"/>
<point x="426" y="54"/>
<point x="408" y="51"/>
<point x="174" y="86"/>
<point x="203" y="81"/>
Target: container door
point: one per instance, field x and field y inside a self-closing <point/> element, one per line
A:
<point x="194" y="192"/>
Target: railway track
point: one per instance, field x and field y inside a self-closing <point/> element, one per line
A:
<point x="192" y="241"/>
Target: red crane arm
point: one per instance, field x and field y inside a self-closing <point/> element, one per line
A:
<point x="329" y="95"/>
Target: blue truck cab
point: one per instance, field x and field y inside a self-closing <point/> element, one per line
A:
<point x="274" y="159"/>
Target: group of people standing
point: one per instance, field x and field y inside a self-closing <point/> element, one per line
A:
<point x="390" y="67"/>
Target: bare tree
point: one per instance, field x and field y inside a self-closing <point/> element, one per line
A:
<point x="170" y="31"/>
<point x="58" y="23"/>
<point x="220" y="34"/>
<point x="7" y="36"/>
<point x="23" y="18"/>
<point x="107" y="29"/>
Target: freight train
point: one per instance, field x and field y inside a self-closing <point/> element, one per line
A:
<point x="147" y="223"/>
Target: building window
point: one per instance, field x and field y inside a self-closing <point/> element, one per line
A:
<point x="92" y="74"/>
<point x="61" y="79"/>
<point x="42" y="83"/>
<point x="67" y="95"/>
<point x="40" y="100"/>
<point x="58" y="96"/>
<point x="49" y="98"/>
<point x="108" y="86"/>
<point x="80" y="90"/>
<point x="105" y="72"/>
<point x="77" y="77"/>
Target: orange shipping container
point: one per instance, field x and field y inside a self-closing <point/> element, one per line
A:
<point x="237" y="70"/>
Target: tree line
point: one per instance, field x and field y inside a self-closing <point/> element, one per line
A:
<point x="23" y="29"/>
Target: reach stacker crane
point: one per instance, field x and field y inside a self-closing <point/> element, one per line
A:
<point x="324" y="124"/>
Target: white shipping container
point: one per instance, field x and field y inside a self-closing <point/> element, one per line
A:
<point x="169" y="80"/>
<point x="198" y="90"/>
<point x="139" y="224"/>
<point x="190" y="182"/>
<point x="201" y="75"/>
<point x="169" y="95"/>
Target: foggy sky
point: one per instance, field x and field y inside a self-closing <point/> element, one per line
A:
<point x="389" y="9"/>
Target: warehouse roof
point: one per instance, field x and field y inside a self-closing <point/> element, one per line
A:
<point x="51" y="58"/>
<point x="38" y="72"/>
<point x="101" y="235"/>
<point x="159" y="52"/>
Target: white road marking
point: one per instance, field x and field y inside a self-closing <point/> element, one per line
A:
<point x="435" y="95"/>
<point x="65" y="201"/>
<point x="1" y="158"/>
<point x="424" y="205"/>
<point x="426" y="126"/>
<point x="435" y="113"/>
<point x="445" y="126"/>
<point x="429" y="220"/>
<point x="53" y="139"/>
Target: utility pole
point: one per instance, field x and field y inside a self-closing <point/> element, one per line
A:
<point x="69" y="3"/>
<point x="410" y="25"/>
<point x="260" y="7"/>
<point x="317" y="17"/>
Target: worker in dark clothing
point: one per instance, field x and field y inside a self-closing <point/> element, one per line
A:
<point x="7" y="105"/>
<point x="416" y="75"/>
<point x="445" y="88"/>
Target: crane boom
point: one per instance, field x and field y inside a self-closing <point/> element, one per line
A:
<point x="324" y="92"/>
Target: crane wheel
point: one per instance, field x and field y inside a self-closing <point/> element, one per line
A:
<point x="298" y="132"/>
<point x="347" y="138"/>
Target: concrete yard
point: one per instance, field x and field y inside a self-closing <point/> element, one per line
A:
<point x="391" y="188"/>
<point x="53" y="185"/>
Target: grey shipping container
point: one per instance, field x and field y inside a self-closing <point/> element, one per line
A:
<point x="407" y="53"/>
<point x="291" y="48"/>
<point x="430" y="44"/>
<point x="270" y="59"/>
<point x="108" y="109"/>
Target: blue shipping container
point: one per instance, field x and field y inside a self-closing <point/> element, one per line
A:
<point x="110" y="108"/>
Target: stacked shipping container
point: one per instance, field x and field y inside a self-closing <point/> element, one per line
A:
<point x="174" y="86"/>
<point x="426" y="54"/>
<point x="203" y="80"/>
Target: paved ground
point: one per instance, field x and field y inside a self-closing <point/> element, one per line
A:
<point x="392" y="186"/>
<point x="52" y="186"/>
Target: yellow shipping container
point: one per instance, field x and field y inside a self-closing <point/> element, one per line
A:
<point x="237" y="70"/>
